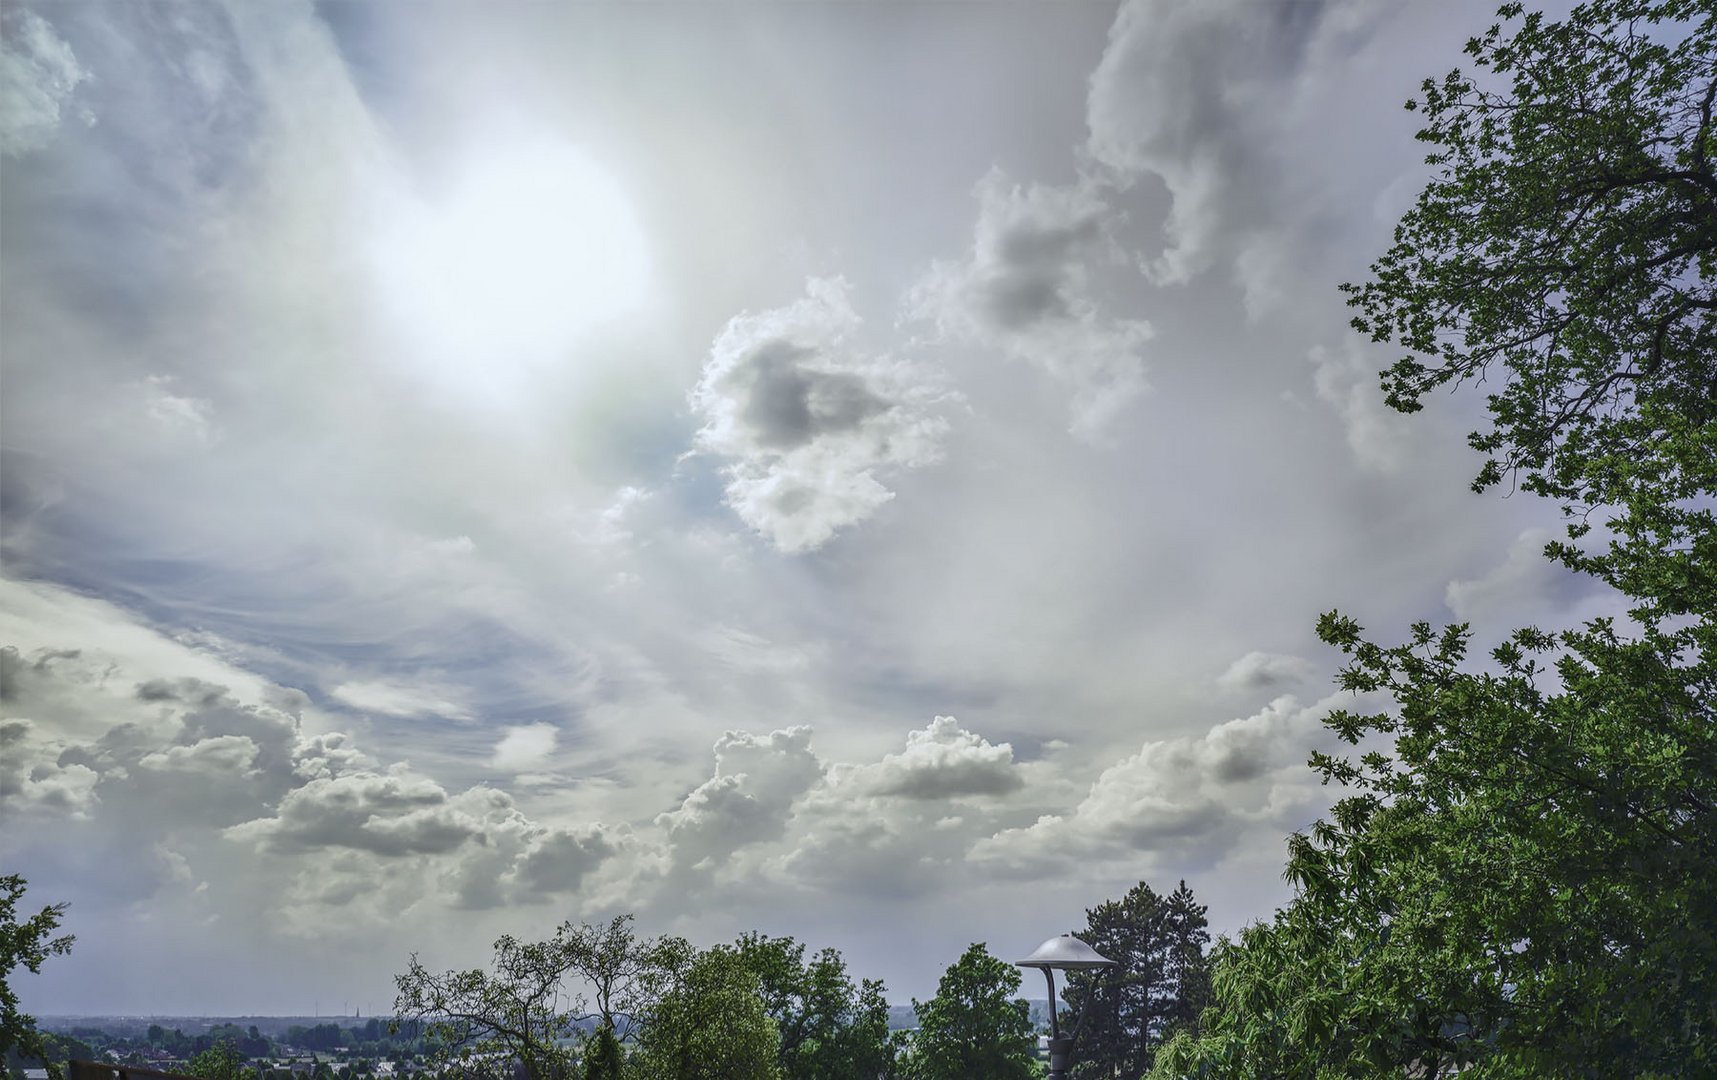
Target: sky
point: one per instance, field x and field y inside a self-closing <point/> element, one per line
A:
<point x="866" y="472"/>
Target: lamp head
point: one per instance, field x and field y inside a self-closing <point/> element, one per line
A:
<point x="1066" y="953"/>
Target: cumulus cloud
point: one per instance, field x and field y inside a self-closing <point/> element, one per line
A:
<point x="220" y="756"/>
<point x="385" y="814"/>
<point x="181" y="750"/>
<point x="809" y="426"/>
<point x="33" y="779"/>
<point x="1164" y="101"/>
<point x="1258" y="671"/>
<point x="749" y="799"/>
<point x="1188" y="797"/>
<point x="179" y="766"/>
<point x="901" y="826"/>
<point x="325" y="756"/>
<point x="559" y="860"/>
<point x="38" y="77"/>
<point x="1026" y="290"/>
<point x="944" y="761"/>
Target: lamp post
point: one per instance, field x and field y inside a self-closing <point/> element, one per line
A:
<point x="1069" y="954"/>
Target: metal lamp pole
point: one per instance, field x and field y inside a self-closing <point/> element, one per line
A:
<point x="1069" y="954"/>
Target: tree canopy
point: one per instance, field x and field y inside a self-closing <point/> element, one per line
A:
<point x="974" y="1026"/>
<point x="523" y="1010"/>
<point x="1522" y="879"/>
<point x="830" y="1028"/>
<point x="757" y="1008"/>
<point x="221" y="1061"/>
<point x="709" y="1024"/>
<point x="1564" y="254"/>
<point x="27" y="944"/>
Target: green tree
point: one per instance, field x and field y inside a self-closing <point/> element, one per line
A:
<point x="1522" y="880"/>
<point x="831" y="1029"/>
<point x="221" y="1061"/>
<point x="1564" y="254"/>
<point x="1159" y="983"/>
<point x="975" y="1025"/>
<point x="488" y="1020"/>
<point x="709" y="1024"/>
<point x="603" y="1057"/>
<point x="27" y="943"/>
<point x="622" y="971"/>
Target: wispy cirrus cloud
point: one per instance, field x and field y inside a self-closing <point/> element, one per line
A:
<point x="39" y="77"/>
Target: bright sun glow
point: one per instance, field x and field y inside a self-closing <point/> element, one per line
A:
<point x="497" y="275"/>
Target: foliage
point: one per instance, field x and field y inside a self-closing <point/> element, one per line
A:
<point x="523" y="1011"/>
<point x="622" y="972"/>
<point x="26" y="943"/>
<point x="1159" y="983"/>
<point x="220" y="1062"/>
<point x="974" y="1026"/>
<point x="830" y="1028"/>
<point x="1523" y="878"/>
<point x="1564" y="254"/>
<point x="709" y="1024"/>
<point x="603" y="1057"/>
<point x="1525" y="887"/>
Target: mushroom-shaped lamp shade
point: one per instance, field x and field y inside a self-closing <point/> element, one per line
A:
<point x="1066" y="953"/>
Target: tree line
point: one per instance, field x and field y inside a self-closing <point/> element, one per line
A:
<point x="597" y="1002"/>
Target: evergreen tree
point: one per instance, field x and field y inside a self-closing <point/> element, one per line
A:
<point x="1159" y="983"/>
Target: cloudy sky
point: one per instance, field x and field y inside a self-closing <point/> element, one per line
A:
<point x="863" y="471"/>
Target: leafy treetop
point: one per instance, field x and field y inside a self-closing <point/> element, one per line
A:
<point x="1565" y="254"/>
<point x="974" y="1026"/>
<point x="1522" y="880"/>
<point x="27" y="943"/>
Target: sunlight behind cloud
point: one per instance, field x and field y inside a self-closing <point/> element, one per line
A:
<point x="490" y="279"/>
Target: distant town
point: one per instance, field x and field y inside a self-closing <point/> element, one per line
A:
<point x="278" y="1047"/>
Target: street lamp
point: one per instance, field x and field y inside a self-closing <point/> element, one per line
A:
<point x="1069" y="954"/>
